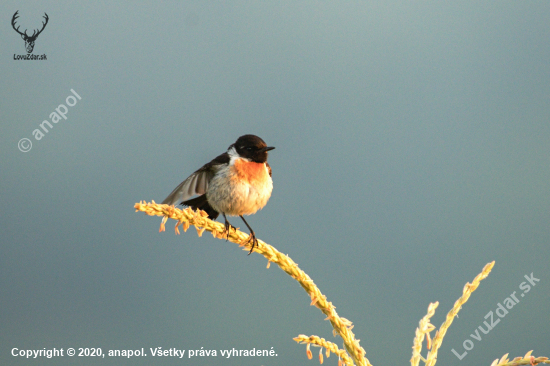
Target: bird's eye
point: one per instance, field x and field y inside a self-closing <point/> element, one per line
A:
<point x="249" y="148"/>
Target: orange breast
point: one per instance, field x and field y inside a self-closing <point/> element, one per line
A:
<point x="249" y="171"/>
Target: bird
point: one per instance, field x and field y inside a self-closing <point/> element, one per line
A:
<point x="235" y="183"/>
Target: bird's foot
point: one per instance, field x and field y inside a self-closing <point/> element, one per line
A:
<point x="252" y="238"/>
<point x="228" y="228"/>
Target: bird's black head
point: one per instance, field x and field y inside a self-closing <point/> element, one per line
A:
<point x="252" y="147"/>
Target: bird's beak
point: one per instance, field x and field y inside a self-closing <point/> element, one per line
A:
<point x="268" y="148"/>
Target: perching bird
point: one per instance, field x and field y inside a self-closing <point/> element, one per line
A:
<point x="236" y="183"/>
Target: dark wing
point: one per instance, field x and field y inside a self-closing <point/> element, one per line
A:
<point x="201" y="202"/>
<point x="196" y="183"/>
<point x="268" y="168"/>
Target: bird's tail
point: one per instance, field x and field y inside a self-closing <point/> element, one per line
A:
<point x="201" y="202"/>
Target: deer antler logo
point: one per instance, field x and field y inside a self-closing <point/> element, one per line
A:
<point x="29" y="40"/>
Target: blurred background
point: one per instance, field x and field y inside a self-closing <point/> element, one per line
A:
<point x="412" y="148"/>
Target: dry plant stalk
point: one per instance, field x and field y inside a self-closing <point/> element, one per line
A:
<point x="525" y="360"/>
<point x="329" y="346"/>
<point x="425" y="327"/>
<point x="423" y="330"/>
<point x="466" y="292"/>
<point x="199" y="219"/>
<point x="342" y="326"/>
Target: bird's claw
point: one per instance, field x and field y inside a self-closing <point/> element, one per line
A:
<point x="228" y="227"/>
<point x="252" y="238"/>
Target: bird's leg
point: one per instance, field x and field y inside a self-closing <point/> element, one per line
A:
<point x="252" y="236"/>
<point x="228" y="226"/>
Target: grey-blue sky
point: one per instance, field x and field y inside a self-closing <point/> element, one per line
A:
<point x="412" y="148"/>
